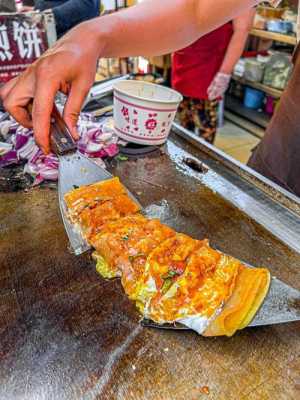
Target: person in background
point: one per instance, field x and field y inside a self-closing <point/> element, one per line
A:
<point x="202" y="73"/>
<point x="27" y="5"/>
<point x="67" y="13"/>
<point x="277" y="157"/>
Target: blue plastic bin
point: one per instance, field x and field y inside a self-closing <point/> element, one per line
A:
<point x="253" y="98"/>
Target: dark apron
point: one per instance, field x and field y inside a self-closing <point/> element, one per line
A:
<point x="277" y="157"/>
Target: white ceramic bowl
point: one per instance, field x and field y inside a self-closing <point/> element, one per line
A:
<point x="144" y="112"/>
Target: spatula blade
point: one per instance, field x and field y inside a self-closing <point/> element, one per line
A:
<point x="282" y="305"/>
<point x="75" y="170"/>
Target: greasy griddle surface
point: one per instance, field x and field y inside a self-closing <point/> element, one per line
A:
<point x="67" y="334"/>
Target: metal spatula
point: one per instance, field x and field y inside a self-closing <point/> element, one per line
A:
<point x="75" y="170"/>
<point x="282" y="305"/>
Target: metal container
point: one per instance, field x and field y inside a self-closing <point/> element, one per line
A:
<point x="279" y="26"/>
<point x="254" y="70"/>
<point x="278" y="71"/>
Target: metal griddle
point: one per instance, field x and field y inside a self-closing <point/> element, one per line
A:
<point x="67" y="334"/>
<point x="280" y="305"/>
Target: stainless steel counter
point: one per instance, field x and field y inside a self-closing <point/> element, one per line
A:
<point x="65" y="333"/>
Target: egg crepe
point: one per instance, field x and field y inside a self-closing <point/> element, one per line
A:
<point x="163" y="268"/>
<point x="251" y="288"/>
<point x="93" y="220"/>
<point x="170" y="276"/>
<point x="90" y="196"/>
<point x="91" y="207"/>
<point x="124" y="246"/>
<point x="198" y="294"/>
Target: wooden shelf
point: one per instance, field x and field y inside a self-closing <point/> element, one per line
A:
<point x="276" y="93"/>
<point x="246" y="124"/>
<point x="236" y="106"/>
<point x="274" y="36"/>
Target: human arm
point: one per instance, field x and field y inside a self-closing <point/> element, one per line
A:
<point x="241" y="28"/>
<point x="150" y="28"/>
<point x="27" y="9"/>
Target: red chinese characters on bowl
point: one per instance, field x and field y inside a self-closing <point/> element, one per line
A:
<point x="144" y="112"/>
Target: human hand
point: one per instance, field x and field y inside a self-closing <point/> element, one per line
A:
<point x="69" y="67"/>
<point x="218" y="86"/>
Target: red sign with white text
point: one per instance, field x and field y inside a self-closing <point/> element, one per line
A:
<point x="23" y="39"/>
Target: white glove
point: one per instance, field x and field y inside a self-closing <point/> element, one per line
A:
<point x="218" y="86"/>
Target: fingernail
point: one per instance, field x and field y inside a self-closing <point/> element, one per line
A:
<point x="45" y="150"/>
<point x="75" y="134"/>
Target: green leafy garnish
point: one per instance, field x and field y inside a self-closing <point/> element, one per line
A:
<point x="167" y="285"/>
<point x="121" y="158"/>
<point x="103" y="268"/>
<point x="126" y="237"/>
<point x="170" y="274"/>
<point x="168" y="279"/>
<point x="75" y="187"/>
